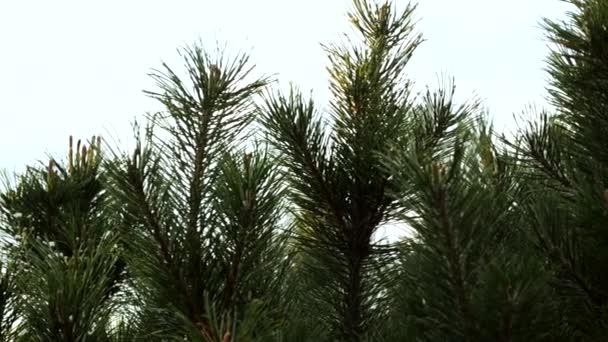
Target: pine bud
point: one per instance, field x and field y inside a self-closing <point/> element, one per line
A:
<point x="438" y="171"/>
<point x="435" y="170"/>
<point x="78" y="153"/>
<point x="51" y="177"/>
<point x="214" y="72"/>
<point x="71" y="155"/>
<point x="135" y="155"/>
<point x="247" y="160"/>
<point x="83" y="162"/>
<point x="91" y="155"/>
<point x="487" y="159"/>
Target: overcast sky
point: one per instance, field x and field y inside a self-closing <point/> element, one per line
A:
<point x="79" y="67"/>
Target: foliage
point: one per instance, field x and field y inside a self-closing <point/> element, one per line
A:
<point x="200" y="221"/>
<point x="63" y="248"/>
<point x="339" y="190"/>
<point x="210" y="231"/>
<point x="566" y="152"/>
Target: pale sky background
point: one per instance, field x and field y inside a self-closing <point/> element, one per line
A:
<point x="79" y="67"/>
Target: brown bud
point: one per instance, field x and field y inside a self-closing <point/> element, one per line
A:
<point x="78" y="153"/>
<point x="214" y="71"/>
<point x="436" y="169"/>
<point x="83" y="162"/>
<point x="71" y="155"/>
<point x="93" y="149"/>
<point x="227" y="337"/>
<point x="135" y="154"/>
<point x="50" y="180"/>
<point x="247" y="160"/>
<point x="487" y="159"/>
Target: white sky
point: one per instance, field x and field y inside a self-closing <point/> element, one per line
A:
<point x="79" y="67"/>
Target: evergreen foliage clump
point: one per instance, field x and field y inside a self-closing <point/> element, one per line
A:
<point x="249" y="214"/>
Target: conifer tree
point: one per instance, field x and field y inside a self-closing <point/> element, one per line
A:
<point x="205" y="233"/>
<point x="340" y="192"/>
<point x="202" y="214"/>
<point x="65" y="260"/>
<point x="566" y="154"/>
<point x="466" y="273"/>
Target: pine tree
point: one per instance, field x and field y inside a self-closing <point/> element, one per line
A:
<point x="466" y="273"/>
<point x="340" y="192"/>
<point x="65" y="266"/>
<point x="207" y="232"/>
<point x="201" y="214"/>
<point x="566" y="153"/>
